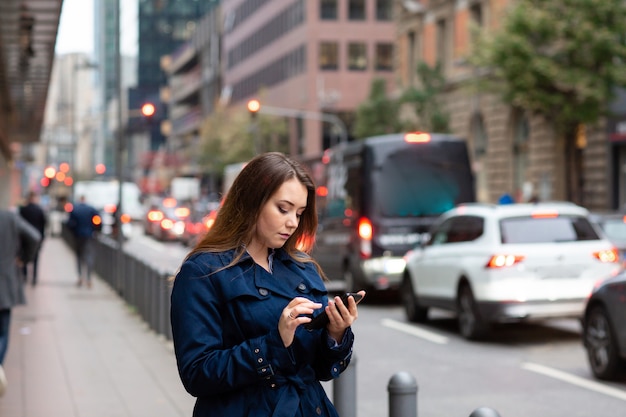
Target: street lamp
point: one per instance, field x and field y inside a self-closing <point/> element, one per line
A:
<point x="253" y="108"/>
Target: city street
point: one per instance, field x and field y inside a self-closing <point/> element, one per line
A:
<point x="523" y="370"/>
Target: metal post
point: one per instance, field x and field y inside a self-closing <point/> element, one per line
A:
<point x="402" y="390"/>
<point x="344" y="391"/>
<point x="484" y="412"/>
<point x="120" y="144"/>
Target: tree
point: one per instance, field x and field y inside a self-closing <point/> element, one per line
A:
<point x="426" y="101"/>
<point x="378" y="114"/>
<point x="226" y="138"/>
<point x="561" y="59"/>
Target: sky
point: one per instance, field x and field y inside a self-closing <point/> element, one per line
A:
<point x="76" y="30"/>
<point x="76" y="27"/>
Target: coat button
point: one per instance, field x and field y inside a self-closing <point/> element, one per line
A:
<point x="263" y="291"/>
<point x="318" y="411"/>
<point x="260" y="360"/>
<point x="302" y="286"/>
<point x="256" y="350"/>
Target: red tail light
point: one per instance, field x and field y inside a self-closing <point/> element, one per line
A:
<point x="155" y="215"/>
<point x="365" y="236"/>
<point x="417" y="137"/>
<point x="544" y="214"/>
<point x="96" y="220"/>
<point x="503" y="261"/>
<point x="167" y="224"/>
<point x="125" y="218"/>
<point x="182" y="212"/>
<point x="607" y="256"/>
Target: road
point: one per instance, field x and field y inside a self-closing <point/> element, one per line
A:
<point x="522" y="370"/>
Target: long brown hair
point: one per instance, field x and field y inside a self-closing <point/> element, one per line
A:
<point x="253" y="187"/>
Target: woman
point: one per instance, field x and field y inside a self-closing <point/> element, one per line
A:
<point x="243" y="294"/>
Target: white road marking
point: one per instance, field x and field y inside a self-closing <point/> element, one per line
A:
<point x="575" y="380"/>
<point x="415" y="331"/>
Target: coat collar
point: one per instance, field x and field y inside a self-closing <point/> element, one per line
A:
<point x="289" y="274"/>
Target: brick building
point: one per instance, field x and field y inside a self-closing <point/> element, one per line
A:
<point x="512" y="151"/>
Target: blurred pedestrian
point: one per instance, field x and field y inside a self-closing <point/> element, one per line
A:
<point x="243" y="295"/>
<point x="82" y="223"/>
<point x="19" y="242"/>
<point x="36" y="216"/>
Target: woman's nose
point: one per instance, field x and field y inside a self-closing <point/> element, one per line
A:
<point x="292" y="221"/>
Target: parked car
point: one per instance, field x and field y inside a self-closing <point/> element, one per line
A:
<point x="614" y="227"/>
<point x="165" y="220"/>
<point x="506" y="263"/>
<point x="604" y="328"/>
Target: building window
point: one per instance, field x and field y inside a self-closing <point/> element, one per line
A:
<point x="479" y="142"/>
<point x="357" y="56"/>
<point x="329" y="56"/>
<point x="520" y="154"/>
<point x="328" y="9"/>
<point x="383" y="10"/>
<point x="384" y="57"/>
<point x="442" y="43"/>
<point x="410" y="57"/>
<point x="476" y="14"/>
<point x="356" y="9"/>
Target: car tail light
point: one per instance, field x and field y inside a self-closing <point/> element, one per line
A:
<point x="169" y="202"/>
<point x="96" y="220"/>
<point x="155" y="215"/>
<point x="110" y="208"/>
<point x="544" y="214"/>
<point x="608" y="256"/>
<point x="365" y="237"/>
<point x="181" y="212"/>
<point x="503" y="261"/>
<point x="125" y="218"/>
<point x="417" y="137"/>
<point x="167" y="224"/>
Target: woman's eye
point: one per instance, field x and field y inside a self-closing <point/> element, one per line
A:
<point x="282" y="210"/>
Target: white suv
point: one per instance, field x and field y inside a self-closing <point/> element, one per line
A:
<point x="506" y="263"/>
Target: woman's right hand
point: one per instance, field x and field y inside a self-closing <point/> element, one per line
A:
<point x="297" y="312"/>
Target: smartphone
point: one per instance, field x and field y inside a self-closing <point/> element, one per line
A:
<point x="321" y="320"/>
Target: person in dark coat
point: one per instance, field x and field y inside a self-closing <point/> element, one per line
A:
<point x="82" y="223"/>
<point x="242" y="296"/>
<point x="36" y="216"/>
<point x="18" y="244"/>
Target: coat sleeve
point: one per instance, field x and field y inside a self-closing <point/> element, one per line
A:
<point x="206" y="366"/>
<point x="333" y="358"/>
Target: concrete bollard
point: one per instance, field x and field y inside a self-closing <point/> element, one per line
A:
<point x="484" y="412"/>
<point x="344" y="391"/>
<point x="402" y="390"/>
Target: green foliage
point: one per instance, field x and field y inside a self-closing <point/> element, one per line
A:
<point x="558" y="58"/>
<point x="226" y="137"/>
<point x="378" y="114"/>
<point x="426" y="100"/>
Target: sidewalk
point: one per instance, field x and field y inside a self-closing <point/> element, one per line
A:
<point x="78" y="352"/>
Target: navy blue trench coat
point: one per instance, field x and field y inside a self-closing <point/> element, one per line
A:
<point x="228" y="349"/>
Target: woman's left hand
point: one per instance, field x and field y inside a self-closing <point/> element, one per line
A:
<point x="341" y="316"/>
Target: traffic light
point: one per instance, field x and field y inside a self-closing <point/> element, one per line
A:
<point x="253" y="107"/>
<point x="148" y="110"/>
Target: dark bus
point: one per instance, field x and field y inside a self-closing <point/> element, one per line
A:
<point x="378" y="197"/>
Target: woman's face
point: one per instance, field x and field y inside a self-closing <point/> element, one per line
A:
<point x="280" y="215"/>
